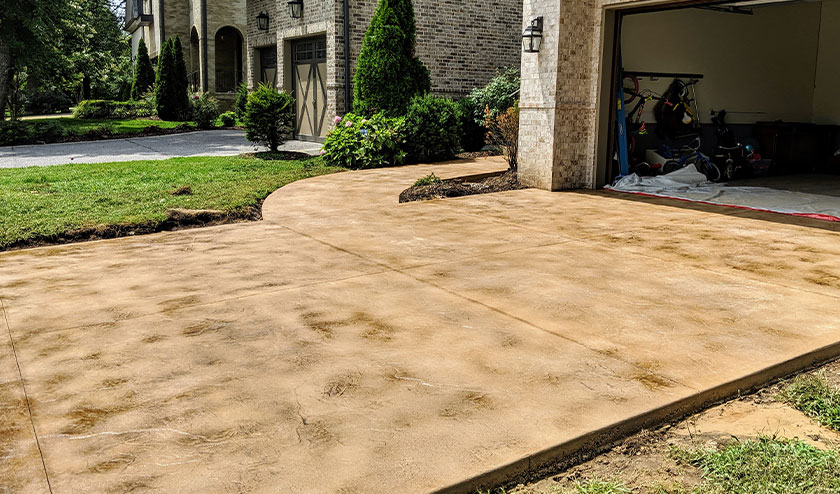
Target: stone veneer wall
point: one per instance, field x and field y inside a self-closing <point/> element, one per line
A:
<point x="560" y="92"/>
<point x="463" y="44"/>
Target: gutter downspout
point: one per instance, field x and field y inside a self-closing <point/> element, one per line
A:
<point x="162" y="24"/>
<point x="347" y="95"/>
<point x="205" y="76"/>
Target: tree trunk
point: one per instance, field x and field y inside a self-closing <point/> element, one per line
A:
<point x="5" y="68"/>
<point x="86" y="87"/>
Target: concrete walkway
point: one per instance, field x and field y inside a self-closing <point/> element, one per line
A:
<point x="205" y="143"/>
<point x="351" y="344"/>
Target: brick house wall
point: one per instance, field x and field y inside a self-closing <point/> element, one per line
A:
<point x="463" y="44"/>
<point x="561" y="94"/>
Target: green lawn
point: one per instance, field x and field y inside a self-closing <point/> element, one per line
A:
<point x="816" y="397"/>
<point x="37" y="203"/>
<point x="767" y="465"/>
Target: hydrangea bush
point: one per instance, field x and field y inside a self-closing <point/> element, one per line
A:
<point x="357" y="142"/>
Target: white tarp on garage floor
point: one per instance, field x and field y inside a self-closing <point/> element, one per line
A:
<point x="690" y="185"/>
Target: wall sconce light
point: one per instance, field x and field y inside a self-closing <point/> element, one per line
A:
<point x="532" y="36"/>
<point x="296" y="9"/>
<point x="262" y="21"/>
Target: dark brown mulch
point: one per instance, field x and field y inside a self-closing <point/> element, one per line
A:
<point x="280" y="156"/>
<point x="176" y="219"/>
<point x="466" y="186"/>
<point x="480" y="154"/>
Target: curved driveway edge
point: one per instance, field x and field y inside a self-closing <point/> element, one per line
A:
<point x="352" y="344"/>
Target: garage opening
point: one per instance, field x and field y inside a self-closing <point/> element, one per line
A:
<point x="730" y="103"/>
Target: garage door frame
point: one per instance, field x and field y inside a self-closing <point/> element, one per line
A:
<point x="606" y="113"/>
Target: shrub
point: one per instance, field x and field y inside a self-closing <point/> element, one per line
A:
<point x="47" y="101"/>
<point x="170" y="88"/>
<point x="228" y="119"/>
<point x="144" y="73"/>
<point x="269" y="116"/>
<point x="46" y="131"/>
<point x="205" y="111"/>
<point x="503" y="131"/>
<point x="13" y="132"/>
<point x="427" y="180"/>
<point x="501" y="93"/>
<point x="358" y="142"/>
<point x="433" y="128"/>
<point x="473" y="133"/>
<point x="388" y="74"/>
<point x="241" y="100"/>
<point x="104" y="109"/>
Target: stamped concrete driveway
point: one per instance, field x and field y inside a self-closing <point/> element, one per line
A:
<point x="350" y="344"/>
<point x="205" y="143"/>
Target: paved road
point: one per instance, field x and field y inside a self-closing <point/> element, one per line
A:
<point x="348" y="343"/>
<point x="206" y="143"/>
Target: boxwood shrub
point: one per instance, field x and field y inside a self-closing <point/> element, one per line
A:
<point x="359" y="142"/>
<point x="107" y="109"/>
<point x="205" y="111"/>
<point x="269" y="117"/>
<point x="433" y="128"/>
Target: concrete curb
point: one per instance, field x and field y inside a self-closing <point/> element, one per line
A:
<point x="589" y="445"/>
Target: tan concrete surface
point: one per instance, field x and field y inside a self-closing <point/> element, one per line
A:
<point x="351" y="344"/>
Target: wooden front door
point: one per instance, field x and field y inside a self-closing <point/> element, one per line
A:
<point x="309" y="64"/>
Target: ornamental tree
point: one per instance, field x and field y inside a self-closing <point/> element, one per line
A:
<point x="144" y="73"/>
<point x="388" y="74"/>
<point x="171" y="85"/>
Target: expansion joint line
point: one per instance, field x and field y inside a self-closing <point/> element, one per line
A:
<point x="25" y="394"/>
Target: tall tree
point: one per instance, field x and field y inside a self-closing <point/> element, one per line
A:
<point x="388" y="74"/>
<point x="93" y="42"/>
<point x="144" y="73"/>
<point x="181" y="68"/>
<point x="27" y="38"/>
<point x="171" y="86"/>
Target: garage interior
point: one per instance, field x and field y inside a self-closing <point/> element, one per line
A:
<point x="773" y="67"/>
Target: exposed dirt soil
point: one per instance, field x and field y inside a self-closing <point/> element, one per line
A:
<point x="465" y="186"/>
<point x="176" y="219"/>
<point x="645" y="463"/>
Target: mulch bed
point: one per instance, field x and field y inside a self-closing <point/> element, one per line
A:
<point x="465" y="186"/>
<point x="480" y="154"/>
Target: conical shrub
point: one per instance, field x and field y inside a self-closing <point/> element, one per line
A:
<point x="144" y="73"/>
<point x="388" y="75"/>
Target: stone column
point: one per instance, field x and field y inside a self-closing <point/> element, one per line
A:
<point x="537" y="103"/>
<point x="556" y="147"/>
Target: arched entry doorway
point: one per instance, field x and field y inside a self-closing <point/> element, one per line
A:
<point x="228" y="59"/>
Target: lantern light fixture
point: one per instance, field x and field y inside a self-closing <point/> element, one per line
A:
<point x="296" y="9"/>
<point x="262" y="21"/>
<point x="532" y="36"/>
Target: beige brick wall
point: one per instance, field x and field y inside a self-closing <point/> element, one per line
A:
<point x="560" y="89"/>
<point x="180" y="17"/>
